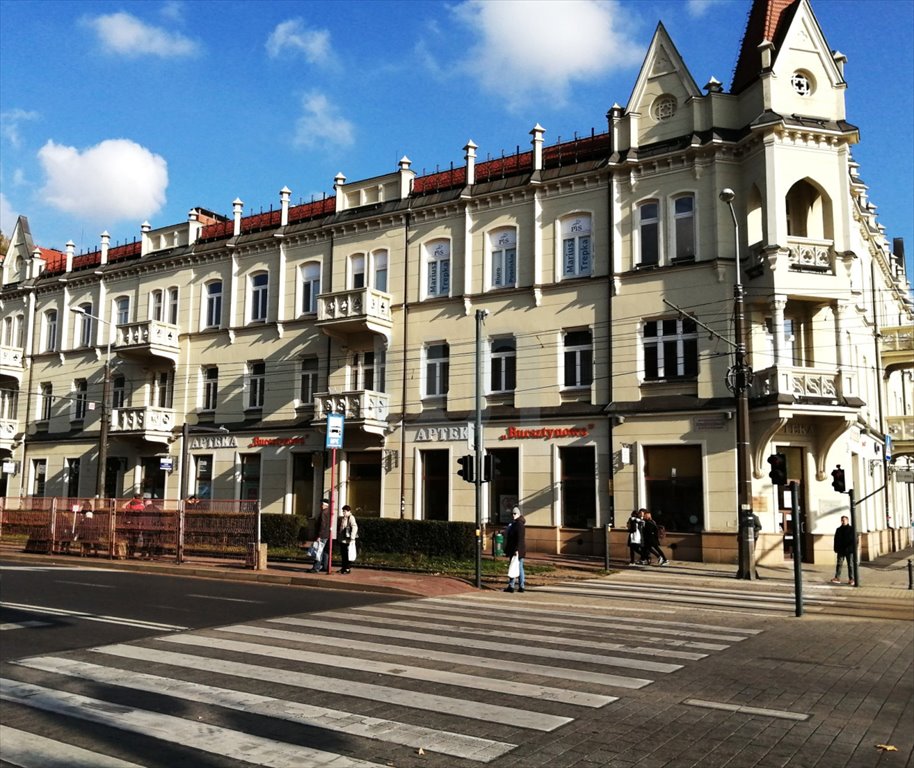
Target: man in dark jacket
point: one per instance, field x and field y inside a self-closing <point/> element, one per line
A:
<point x="516" y="544"/>
<point x="651" y="540"/>
<point x="844" y="550"/>
<point x="323" y="534"/>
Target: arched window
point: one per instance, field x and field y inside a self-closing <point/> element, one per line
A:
<point x="258" y="295"/>
<point x="357" y="270"/>
<point x="503" y="258"/>
<point x="379" y="265"/>
<point x="310" y="287"/>
<point x="438" y="268"/>
<point x="684" y="228"/>
<point x="212" y="317"/>
<point x="122" y="310"/>
<point x="50" y="331"/>
<point x="85" y="328"/>
<point x="577" y="246"/>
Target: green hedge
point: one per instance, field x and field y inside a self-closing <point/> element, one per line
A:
<point x="424" y="537"/>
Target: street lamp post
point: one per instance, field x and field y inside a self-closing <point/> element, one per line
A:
<point x="106" y="412"/>
<point x="739" y="378"/>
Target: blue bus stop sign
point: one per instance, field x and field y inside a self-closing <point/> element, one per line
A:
<point x="334" y="430"/>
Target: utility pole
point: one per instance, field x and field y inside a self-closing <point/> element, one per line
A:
<point x="477" y="443"/>
<point x="739" y="378"/>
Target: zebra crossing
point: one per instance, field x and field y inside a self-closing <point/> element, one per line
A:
<point x="462" y="680"/>
<point x="765" y="598"/>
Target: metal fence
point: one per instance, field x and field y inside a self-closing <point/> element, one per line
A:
<point x="154" y="529"/>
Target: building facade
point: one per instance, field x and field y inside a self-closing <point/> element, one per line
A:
<point x="586" y="287"/>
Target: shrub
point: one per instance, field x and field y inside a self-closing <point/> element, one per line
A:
<point x="280" y="530"/>
<point x="426" y="537"/>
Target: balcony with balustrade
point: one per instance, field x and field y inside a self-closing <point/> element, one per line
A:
<point x="896" y="346"/>
<point x="9" y="429"/>
<point x="148" y="339"/>
<point x="901" y="430"/>
<point x="789" y="384"/>
<point x="148" y="422"/>
<point x="810" y="255"/>
<point x="358" y="310"/>
<point x="11" y="364"/>
<point x="362" y="408"/>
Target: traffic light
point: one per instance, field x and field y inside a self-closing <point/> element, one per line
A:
<point x="467" y="468"/>
<point x="837" y="479"/>
<point x="778" y="473"/>
<point x="490" y="464"/>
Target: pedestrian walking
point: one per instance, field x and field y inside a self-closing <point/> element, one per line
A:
<point x="651" y="538"/>
<point x="845" y="545"/>
<point x="319" y="548"/>
<point x="635" y="537"/>
<point x="516" y="550"/>
<point x="347" y="532"/>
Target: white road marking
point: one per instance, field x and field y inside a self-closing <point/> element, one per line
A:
<point x="25" y="624"/>
<point x="226" y="599"/>
<point x="176" y="730"/>
<point x="405" y="734"/>
<point x="437" y="676"/>
<point x="29" y="750"/>
<point x="781" y="714"/>
<point x="310" y="680"/>
<point x="87" y="584"/>
<point x="43" y="609"/>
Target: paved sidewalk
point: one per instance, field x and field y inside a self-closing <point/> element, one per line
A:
<point x="885" y="577"/>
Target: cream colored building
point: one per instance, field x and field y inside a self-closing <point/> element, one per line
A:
<point x="605" y="270"/>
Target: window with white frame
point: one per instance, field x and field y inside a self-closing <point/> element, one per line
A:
<point x="578" y="358"/>
<point x="80" y="399"/>
<point x="437" y="360"/>
<point x="503" y="256"/>
<point x="213" y="318"/>
<point x="157" y="305"/>
<point x="670" y="349"/>
<point x="366" y="371"/>
<point x="310" y="287"/>
<point x="357" y="270"/>
<point x="7" y="338"/>
<point x="50" y="330"/>
<point x="172" y="298"/>
<point x="84" y="328"/>
<point x="438" y="268"/>
<point x="684" y="227"/>
<point x="379" y="267"/>
<point x="503" y="376"/>
<point x="308" y="387"/>
<point x="9" y="403"/>
<point x="122" y="310"/>
<point x="257" y="381"/>
<point x="577" y="246"/>
<point x="259" y="292"/>
<point x="210" y="374"/>
<point x="118" y="392"/>
<point x="45" y="400"/>
<point x="163" y="388"/>
<point x="648" y="233"/>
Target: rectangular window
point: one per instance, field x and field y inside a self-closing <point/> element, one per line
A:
<point x="45" y="399"/>
<point x="9" y="403"/>
<point x="214" y="304"/>
<point x="670" y="349"/>
<point x="436" y="478"/>
<point x="203" y="476"/>
<point x="358" y="271"/>
<point x="122" y="310"/>
<point x="257" y="380"/>
<point x="163" y="388"/>
<point x="308" y="390"/>
<point x="504" y="267"/>
<point x="310" y="288"/>
<point x="260" y="284"/>
<point x="649" y="234"/>
<point x="173" y="306"/>
<point x="579" y="488"/>
<point x="674" y="486"/>
<point x="85" y="325"/>
<point x="210" y="387"/>
<point x="80" y="395"/>
<point x="578" y="359"/>
<point x="72" y="470"/>
<point x="50" y="338"/>
<point x="436" y="370"/>
<point x="118" y="392"/>
<point x="380" y="270"/>
<point x="684" y="227"/>
<point x="39" y="476"/>
<point x="504" y="366"/>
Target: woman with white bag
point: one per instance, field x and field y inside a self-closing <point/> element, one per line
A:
<point x="348" y="531"/>
<point x="516" y="549"/>
<point x="635" y="537"/>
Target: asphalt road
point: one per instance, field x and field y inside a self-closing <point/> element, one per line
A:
<point x="46" y="609"/>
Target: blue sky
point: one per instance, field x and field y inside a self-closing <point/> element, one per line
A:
<point x="112" y="113"/>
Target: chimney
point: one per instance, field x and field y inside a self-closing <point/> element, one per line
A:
<point x="614" y="117"/>
<point x="284" y="194"/>
<point x="339" y="182"/>
<point x="106" y="240"/>
<point x="237" y="210"/>
<point x="71" y="252"/>
<point x="406" y="177"/>
<point x="193" y="226"/>
<point x="714" y="85"/>
<point x="37" y="263"/>
<point x="766" y="49"/>
<point x="537" y="142"/>
<point x="145" y="242"/>
<point x="470" y="157"/>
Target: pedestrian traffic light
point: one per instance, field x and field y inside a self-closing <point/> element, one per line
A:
<point x="837" y="479"/>
<point x="490" y="464"/>
<point x="467" y="468"/>
<point x="778" y="473"/>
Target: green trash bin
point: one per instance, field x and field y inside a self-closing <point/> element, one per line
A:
<point x="498" y="545"/>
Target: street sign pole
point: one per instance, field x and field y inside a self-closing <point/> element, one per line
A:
<point x="335" y="424"/>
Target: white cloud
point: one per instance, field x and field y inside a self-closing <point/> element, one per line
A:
<point x="321" y="123"/>
<point x="10" y="122"/>
<point x="699" y="7"/>
<point x="7" y="216"/>
<point x="530" y="47"/>
<point x="124" y="34"/>
<point x="293" y="37"/>
<point x="116" y="179"/>
<point x="173" y="10"/>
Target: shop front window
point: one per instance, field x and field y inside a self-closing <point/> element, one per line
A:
<point x="675" y="491"/>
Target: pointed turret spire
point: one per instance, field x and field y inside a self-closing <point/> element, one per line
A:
<point x="768" y="20"/>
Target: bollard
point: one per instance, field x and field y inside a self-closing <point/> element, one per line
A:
<point x="910" y="574"/>
<point x="606" y="531"/>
